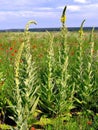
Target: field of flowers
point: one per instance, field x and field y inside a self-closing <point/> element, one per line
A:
<point x="49" y="80"/>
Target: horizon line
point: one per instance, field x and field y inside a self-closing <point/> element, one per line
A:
<point x="46" y="28"/>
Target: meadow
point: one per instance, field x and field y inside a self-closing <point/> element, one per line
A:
<point x="49" y="80"/>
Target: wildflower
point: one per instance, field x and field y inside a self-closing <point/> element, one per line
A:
<point x="63" y="19"/>
<point x="32" y="128"/>
<point x="89" y="122"/>
<point x="15" y="51"/>
<point x="81" y="28"/>
<point x="81" y="32"/>
<point x="12" y="54"/>
<point x="11" y="48"/>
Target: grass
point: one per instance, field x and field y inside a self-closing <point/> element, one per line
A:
<point x="49" y="81"/>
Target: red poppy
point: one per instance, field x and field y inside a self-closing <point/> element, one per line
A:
<point x="12" y="54"/>
<point x="11" y="48"/>
<point x="32" y="128"/>
<point x="15" y="51"/>
<point x="89" y="122"/>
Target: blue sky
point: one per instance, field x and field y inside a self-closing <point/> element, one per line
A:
<point x="47" y="13"/>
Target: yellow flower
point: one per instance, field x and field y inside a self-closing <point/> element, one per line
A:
<point x="63" y="19"/>
<point x="81" y="32"/>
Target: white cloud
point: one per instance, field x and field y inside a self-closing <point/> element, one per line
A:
<point x="92" y="6"/>
<point x="71" y="8"/>
<point x="27" y="14"/>
<point x="74" y="8"/>
<point x="86" y="11"/>
<point x="81" y="1"/>
<point x="43" y="9"/>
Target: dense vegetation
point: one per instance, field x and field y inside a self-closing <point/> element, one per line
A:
<point x="49" y="81"/>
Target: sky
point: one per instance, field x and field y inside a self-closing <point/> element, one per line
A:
<point x="16" y="13"/>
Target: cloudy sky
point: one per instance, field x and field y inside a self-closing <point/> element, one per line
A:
<point x="47" y="13"/>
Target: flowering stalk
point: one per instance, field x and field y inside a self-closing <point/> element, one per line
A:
<point x="81" y="29"/>
<point x="90" y="81"/>
<point x="47" y="92"/>
<point x="63" y="17"/>
<point x="26" y="85"/>
<point x="79" y="70"/>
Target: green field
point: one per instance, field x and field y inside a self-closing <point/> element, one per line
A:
<point x="49" y="80"/>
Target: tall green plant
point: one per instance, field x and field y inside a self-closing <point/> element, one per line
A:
<point x="63" y="76"/>
<point x="90" y="89"/>
<point x="78" y="70"/>
<point x="48" y="96"/>
<point x="57" y="97"/>
<point x="26" y="86"/>
<point x="64" y="99"/>
<point x="3" y="98"/>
